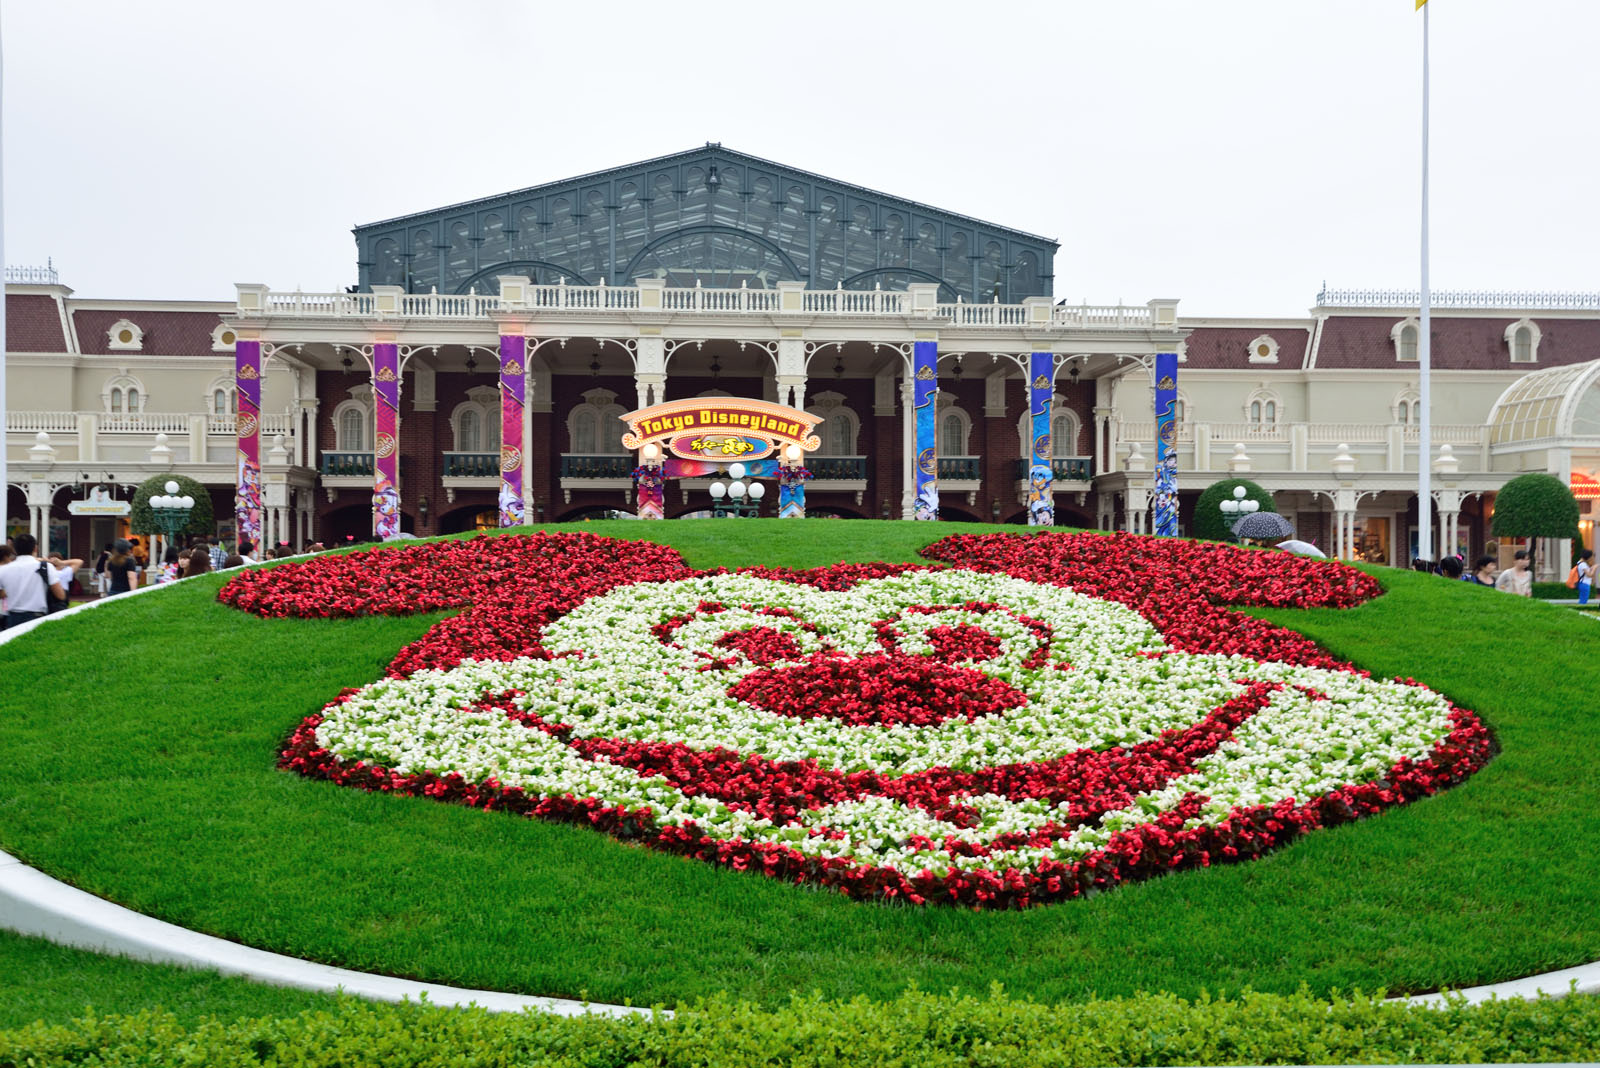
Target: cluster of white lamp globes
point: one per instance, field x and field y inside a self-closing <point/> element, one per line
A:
<point x="1239" y="506"/>
<point x="736" y="490"/>
<point x="170" y="498"/>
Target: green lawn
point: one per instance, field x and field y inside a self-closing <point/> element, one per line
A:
<point x="40" y="981"/>
<point x="139" y="742"/>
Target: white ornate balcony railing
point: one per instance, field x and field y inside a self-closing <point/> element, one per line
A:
<point x="143" y="423"/>
<point x="696" y="300"/>
<point x="51" y="422"/>
<point x="270" y="425"/>
<point x="1459" y="298"/>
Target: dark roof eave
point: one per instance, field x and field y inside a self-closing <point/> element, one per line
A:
<point x="581" y="178"/>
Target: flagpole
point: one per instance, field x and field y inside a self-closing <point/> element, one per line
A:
<point x="1424" y="344"/>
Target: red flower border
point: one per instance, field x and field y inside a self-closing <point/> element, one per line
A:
<point x="513" y="586"/>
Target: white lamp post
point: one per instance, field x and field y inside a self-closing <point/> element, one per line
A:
<point x="1236" y="506"/>
<point x="745" y="499"/>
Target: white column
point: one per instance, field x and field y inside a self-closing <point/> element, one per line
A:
<point x="908" y="427"/>
<point x="1102" y="425"/>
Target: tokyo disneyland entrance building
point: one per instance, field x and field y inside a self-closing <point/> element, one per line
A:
<point x="932" y="370"/>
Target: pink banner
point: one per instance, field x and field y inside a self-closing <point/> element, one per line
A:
<point x="386" y="442"/>
<point x="247" y="427"/>
<point x="513" y="384"/>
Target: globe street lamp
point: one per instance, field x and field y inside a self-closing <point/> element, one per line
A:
<point x="1236" y="507"/>
<point x="171" y="511"/>
<point x="743" y="500"/>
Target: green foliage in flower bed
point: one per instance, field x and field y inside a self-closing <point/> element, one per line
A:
<point x="914" y="1029"/>
<point x="139" y="743"/>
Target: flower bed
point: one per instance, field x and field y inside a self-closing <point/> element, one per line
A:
<point x="1048" y="716"/>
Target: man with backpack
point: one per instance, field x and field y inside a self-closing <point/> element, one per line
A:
<point x="30" y="584"/>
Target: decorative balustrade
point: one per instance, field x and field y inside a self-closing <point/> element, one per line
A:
<point x="1450" y="434"/>
<point x="33" y="422"/>
<point x="837" y="468"/>
<point x="597" y="466"/>
<point x="1459" y="298"/>
<point x="1062" y="469"/>
<point x="471" y="465"/>
<point x="143" y="423"/>
<point x="32" y="276"/>
<point x="696" y="300"/>
<point x="271" y="425"/>
<point x="959" y="468"/>
<point x="347" y="464"/>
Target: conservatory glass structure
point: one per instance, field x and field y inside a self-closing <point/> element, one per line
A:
<point x="711" y="217"/>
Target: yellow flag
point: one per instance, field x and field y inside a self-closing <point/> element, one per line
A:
<point x="1420" y="3"/>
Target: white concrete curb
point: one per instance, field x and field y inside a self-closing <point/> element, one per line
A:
<point x="32" y="903"/>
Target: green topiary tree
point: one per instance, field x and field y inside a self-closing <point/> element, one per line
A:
<point x="143" y="520"/>
<point x="1210" y="523"/>
<point x="1535" y="506"/>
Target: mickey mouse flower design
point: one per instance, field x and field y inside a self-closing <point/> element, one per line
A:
<point x="930" y="734"/>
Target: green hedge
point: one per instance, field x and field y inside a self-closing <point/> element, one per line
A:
<point x="1209" y="521"/>
<point x="917" y="1029"/>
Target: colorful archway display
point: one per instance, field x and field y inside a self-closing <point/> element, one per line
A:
<point x="695" y="436"/>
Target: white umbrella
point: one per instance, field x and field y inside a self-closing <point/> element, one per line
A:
<point x="1302" y="548"/>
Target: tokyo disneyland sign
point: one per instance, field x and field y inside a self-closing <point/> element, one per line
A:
<point x="703" y="433"/>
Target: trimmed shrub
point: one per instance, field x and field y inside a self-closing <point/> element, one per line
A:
<point x="143" y="519"/>
<point x="1209" y="522"/>
<point x="914" y="1029"/>
<point x="1535" y="506"/>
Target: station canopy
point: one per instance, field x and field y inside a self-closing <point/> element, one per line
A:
<point x="1555" y="405"/>
<point x="710" y="217"/>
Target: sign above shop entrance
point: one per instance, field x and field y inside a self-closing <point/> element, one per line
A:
<point x="723" y="429"/>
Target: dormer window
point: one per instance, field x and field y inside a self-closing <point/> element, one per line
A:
<point x="1264" y="349"/>
<point x="223" y="339"/>
<point x="1522" y="338"/>
<point x="1405" y="335"/>
<point x="125" y="336"/>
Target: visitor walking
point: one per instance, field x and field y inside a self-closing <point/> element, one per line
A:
<point x="1585" y="571"/>
<point x="1517" y="579"/>
<point x="30" y="584"/>
<point x="246" y="548"/>
<point x="122" y="570"/>
<point x="1483" y="570"/>
<point x="217" y="553"/>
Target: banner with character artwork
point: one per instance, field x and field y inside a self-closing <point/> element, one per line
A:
<point x="1041" y="476"/>
<point x="513" y="384"/>
<point x="247" y="427"/>
<point x="1166" y="495"/>
<point x="925" y="391"/>
<point x="386" y="442"/>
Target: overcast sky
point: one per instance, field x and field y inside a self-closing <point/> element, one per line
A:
<point x="1230" y="153"/>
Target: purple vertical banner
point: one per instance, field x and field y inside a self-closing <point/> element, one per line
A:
<point x="386" y="441"/>
<point x="925" y="392"/>
<point x="1166" y="498"/>
<point x="513" y="395"/>
<point x="1041" y="475"/>
<point x="650" y="488"/>
<point x="247" y="427"/>
<point x="792" y="476"/>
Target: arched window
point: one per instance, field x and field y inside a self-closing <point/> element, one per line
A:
<point x="839" y="426"/>
<point x="595" y="427"/>
<point x="352" y="429"/>
<point x="468" y="431"/>
<point x="583" y="432"/>
<point x="1523" y="337"/>
<point x="1262" y="408"/>
<point x="1063" y="435"/>
<point x="1180" y="410"/>
<point x="1405" y="335"/>
<point x="123" y="395"/>
<point x="224" y="401"/>
<point x="952" y="441"/>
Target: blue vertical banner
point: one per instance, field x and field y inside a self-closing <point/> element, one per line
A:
<point x="1166" y="500"/>
<point x="924" y="396"/>
<point x="1041" y="476"/>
